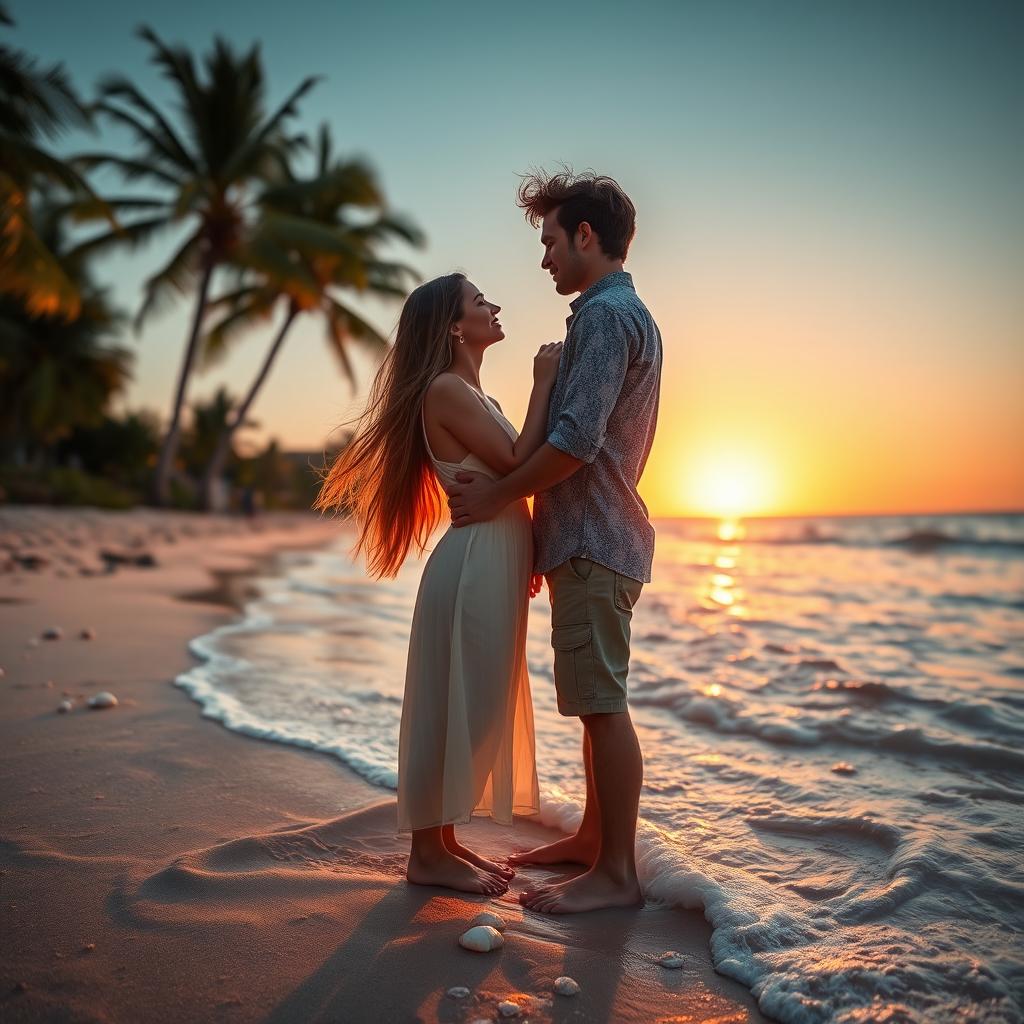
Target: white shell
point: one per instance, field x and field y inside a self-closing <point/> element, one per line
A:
<point x="509" y="1009"/>
<point x="65" y="705"/>
<point x="490" y="919"/>
<point x="458" y="992"/>
<point x="103" y="700"/>
<point x="53" y="633"/>
<point x="481" y="939"/>
<point x="566" y="986"/>
<point x="672" y="959"/>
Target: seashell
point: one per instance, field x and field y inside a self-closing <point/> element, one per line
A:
<point x="509" y="1009"/>
<point x="53" y="633"/>
<point x="458" y="992"/>
<point x="843" y="768"/>
<point x="672" y="959"/>
<point x="65" y="705"/>
<point x="487" y="918"/>
<point x="566" y="986"/>
<point x="481" y="939"/>
<point x="103" y="700"/>
<point x="87" y="634"/>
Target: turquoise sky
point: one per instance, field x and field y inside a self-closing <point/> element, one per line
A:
<point x="831" y="223"/>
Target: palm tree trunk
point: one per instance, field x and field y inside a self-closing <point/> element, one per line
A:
<point x="169" y="447"/>
<point x="215" y="466"/>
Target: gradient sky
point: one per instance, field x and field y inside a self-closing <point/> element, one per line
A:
<point x="830" y="219"/>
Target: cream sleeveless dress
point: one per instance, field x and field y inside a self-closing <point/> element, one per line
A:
<point x="466" y="744"/>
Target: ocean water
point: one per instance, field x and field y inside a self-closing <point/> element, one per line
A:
<point x="832" y="718"/>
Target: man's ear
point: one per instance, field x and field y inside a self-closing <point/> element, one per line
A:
<point x="584" y="233"/>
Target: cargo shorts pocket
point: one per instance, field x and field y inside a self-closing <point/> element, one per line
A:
<point x="574" y="661"/>
<point x="627" y="592"/>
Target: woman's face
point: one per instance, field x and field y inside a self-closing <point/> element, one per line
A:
<point x="479" y="324"/>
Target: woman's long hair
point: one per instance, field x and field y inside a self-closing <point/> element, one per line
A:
<point x="384" y="477"/>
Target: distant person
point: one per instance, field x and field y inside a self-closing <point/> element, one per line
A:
<point x="466" y="744"/>
<point x="593" y="540"/>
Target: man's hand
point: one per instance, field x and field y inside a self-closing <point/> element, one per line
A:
<point x="473" y="499"/>
<point x="536" y="579"/>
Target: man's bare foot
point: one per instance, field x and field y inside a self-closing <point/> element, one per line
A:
<point x="501" y="870"/>
<point x="453" y="873"/>
<point x="592" y="890"/>
<point x="577" y="849"/>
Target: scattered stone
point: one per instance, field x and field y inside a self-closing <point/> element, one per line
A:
<point x="31" y="561"/>
<point x="481" y="939"/>
<point x="509" y="1009"/>
<point x="2" y="673"/>
<point x="53" y="633"/>
<point x="458" y="992"/>
<point x="21" y="986"/>
<point x="64" y="705"/>
<point x="87" y="634"/>
<point x="88" y="947"/>
<point x="103" y="700"/>
<point x="34" y="642"/>
<point x="671" y="959"/>
<point x="489" y="919"/>
<point x="49" y="682"/>
<point x="844" y="768"/>
<point x="566" y="986"/>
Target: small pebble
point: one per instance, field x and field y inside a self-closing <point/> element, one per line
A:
<point x="64" y="705"/>
<point x="509" y="1009"/>
<point x="53" y="633"/>
<point x="49" y="682"/>
<point x="489" y="919"/>
<point x="88" y="947"/>
<point x="458" y="992"/>
<point x="87" y="634"/>
<point x="566" y="986"/>
<point x="2" y="673"/>
<point x="672" y="959"/>
<point x="103" y="700"/>
<point x="844" y="768"/>
<point x="34" y="642"/>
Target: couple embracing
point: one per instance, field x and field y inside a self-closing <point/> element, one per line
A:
<point x="430" y="432"/>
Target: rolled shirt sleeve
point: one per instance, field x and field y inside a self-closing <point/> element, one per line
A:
<point x="593" y="381"/>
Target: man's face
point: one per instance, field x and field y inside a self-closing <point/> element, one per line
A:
<point x="561" y="260"/>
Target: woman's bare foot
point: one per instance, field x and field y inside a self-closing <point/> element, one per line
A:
<point x="501" y="870"/>
<point x="577" y="849"/>
<point x="592" y="890"/>
<point x="454" y="873"/>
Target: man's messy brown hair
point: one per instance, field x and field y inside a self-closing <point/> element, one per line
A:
<point x="594" y="198"/>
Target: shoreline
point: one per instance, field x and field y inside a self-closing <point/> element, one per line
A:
<point x="158" y="866"/>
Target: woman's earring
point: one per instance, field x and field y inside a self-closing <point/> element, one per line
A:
<point x="462" y="340"/>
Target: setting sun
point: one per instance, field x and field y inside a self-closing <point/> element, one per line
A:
<point x="729" y="484"/>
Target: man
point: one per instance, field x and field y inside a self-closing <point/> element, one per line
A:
<point x="594" y="543"/>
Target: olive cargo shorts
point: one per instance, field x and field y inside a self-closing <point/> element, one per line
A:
<point x="591" y="608"/>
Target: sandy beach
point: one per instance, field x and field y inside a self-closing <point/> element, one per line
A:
<point x="159" y="867"/>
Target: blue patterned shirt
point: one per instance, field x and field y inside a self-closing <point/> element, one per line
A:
<point x="603" y="411"/>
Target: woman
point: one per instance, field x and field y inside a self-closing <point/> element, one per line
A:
<point x="466" y="744"/>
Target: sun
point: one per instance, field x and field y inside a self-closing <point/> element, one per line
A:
<point x="730" y="484"/>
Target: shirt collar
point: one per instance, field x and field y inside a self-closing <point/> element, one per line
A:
<point x="615" y="278"/>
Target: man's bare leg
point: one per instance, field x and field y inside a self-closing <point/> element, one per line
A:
<point x="618" y="777"/>
<point x="582" y="847"/>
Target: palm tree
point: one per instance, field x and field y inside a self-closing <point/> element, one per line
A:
<point x="35" y="103"/>
<point x="303" y="249"/>
<point x="202" y="170"/>
<point x="57" y="374"/>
